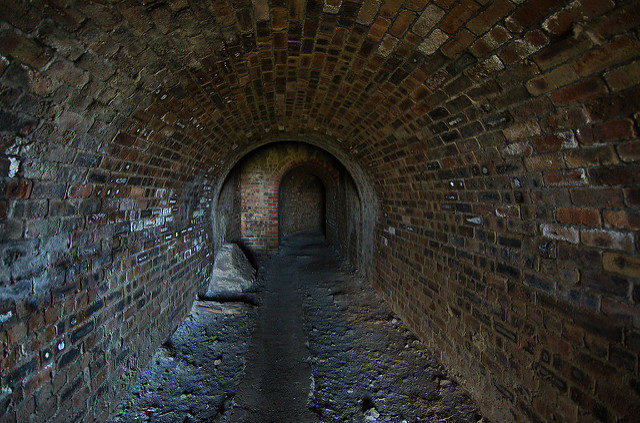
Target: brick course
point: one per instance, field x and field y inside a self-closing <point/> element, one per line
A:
<point x="259" y="178"/>
<point x="500" y="138"/>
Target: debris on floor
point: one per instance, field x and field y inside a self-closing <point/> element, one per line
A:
<point x="232" y="274"/>
<point x="322" y="346"/>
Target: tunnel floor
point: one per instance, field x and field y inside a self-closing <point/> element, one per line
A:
<point x="322" y="346"/>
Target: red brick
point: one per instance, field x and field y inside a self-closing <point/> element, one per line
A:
<point x="579" y="92"/>
<point x="622" y="219"/>
<point x="569" y="177"/>
<point x="608" y="239"/>
<point x="459" y="43"/>
<point x="591" y="197"/>
<point x="80" y="191"/>
<point x="378" y="29"/>
<point x="554" y="142"/>
<point x="616" y="51"/>
<point x="614" y="175"/>
<point x="572" y="216"/>
<point x="584" y="157"/>
<point x="402" y="23"/>
<point x="457" y="16"/>
<point x="495" y="116"/>
<point x="606" y="132"/>
<point x="488" y="17"/>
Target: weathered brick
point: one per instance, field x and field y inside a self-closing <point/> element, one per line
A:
<point x="113" y="146"/>
<point x="622" y="219"/>
<point x="606" y="132"/>
<point x="561" y="233"/>
<point x="579" y="92"/>
<point x="427" y="20"/>
<point x="368" y="11"/>
<point x="458" y="43"/>
<point x="616" y="51"/>
<point x="457" y="16"/>
<point x="592" y="156"/>
<point x="608" y="239"/>
<point x="552" y="80"/>
<point x="546" y="161"/>
<point x="402" y="23"/>
<point x="23" y="49"/>
<point x="489" y="16"/>
<point x="65" y="71"/>
<point x="621" y="263"/>
<point x="431" y="43"/>
<point x="572" y="216"/>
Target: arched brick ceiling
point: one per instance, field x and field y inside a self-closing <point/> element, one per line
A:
<point x="377" y="75"/>
<point x="500" y="136"/>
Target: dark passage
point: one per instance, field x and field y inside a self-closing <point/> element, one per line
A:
<point x="277" y="379"/>
<point x="301" y="203"/>
<point x="325" y="348"/>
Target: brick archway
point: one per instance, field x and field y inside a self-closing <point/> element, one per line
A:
<point x="329" y="180"/>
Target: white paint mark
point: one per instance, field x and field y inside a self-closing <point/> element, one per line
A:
<point x="14" y="166"/>
<point x="6" y="316"/>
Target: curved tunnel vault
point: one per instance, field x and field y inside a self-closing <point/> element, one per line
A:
<point x="493" y="147"/>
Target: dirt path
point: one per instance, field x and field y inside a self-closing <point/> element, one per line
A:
<point x="277" y="380"/>
<point x="325" y="348"/>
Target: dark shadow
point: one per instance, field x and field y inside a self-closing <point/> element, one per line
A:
<point x="301" y="203"/>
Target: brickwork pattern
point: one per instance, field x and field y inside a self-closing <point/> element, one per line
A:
<point x="301" y="203"/>
<point x="501" y="136"/>
<point x="228" y="210"/>
<point x="260" y="176"/>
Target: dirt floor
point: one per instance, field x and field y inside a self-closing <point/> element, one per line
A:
<point x="321" y="346"/>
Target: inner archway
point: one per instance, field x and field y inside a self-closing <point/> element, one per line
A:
<point x="301" y="203"/>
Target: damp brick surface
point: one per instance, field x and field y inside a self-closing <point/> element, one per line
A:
<point x="494" y="146"/>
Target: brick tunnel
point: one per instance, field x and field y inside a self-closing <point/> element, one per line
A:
<point x="473" y="164"/>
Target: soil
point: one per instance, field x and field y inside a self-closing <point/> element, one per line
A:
<point x="321" y="346"/>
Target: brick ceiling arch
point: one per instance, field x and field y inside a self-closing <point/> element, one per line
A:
<point x="329" y="144"/>
<point x="328" y="176"/>
<point x="377" y="74"/>
<point x="500" y="138"/>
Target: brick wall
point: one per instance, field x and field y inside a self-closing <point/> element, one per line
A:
<point x="301" y="203"/>
<point x="104" y="216"/>
<point x="99" y="264"/>
<point x="260" y="176"/>
<point x="501" y="138"/>
<point x="227" y="222"/>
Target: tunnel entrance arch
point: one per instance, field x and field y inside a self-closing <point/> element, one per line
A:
<point x="255" y="179"/>
<point x="358" y="183"/>
<point x="307" y="199"/>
